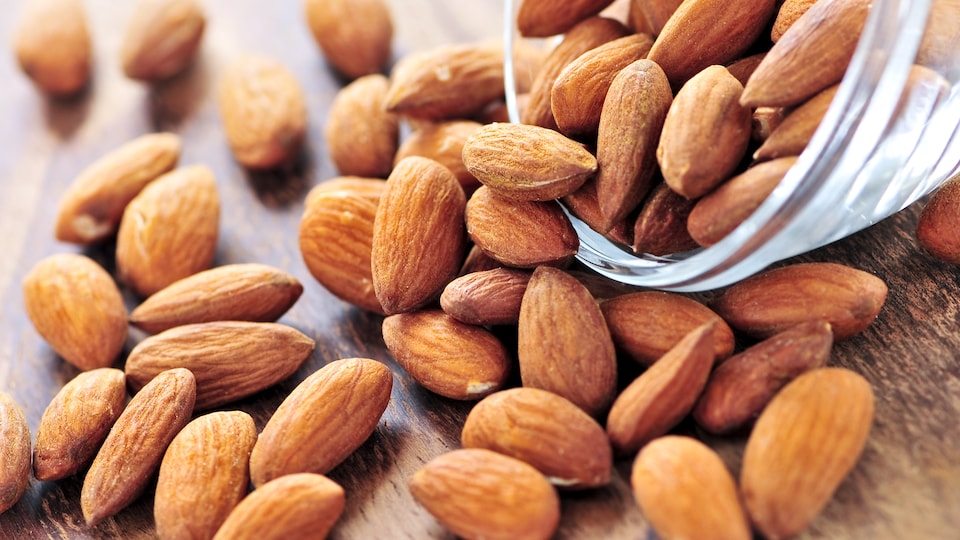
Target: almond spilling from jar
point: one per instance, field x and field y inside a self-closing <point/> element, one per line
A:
<point x="53" y="46"/>
<point x="14" y="452"/>
<point x="162" y="38"/>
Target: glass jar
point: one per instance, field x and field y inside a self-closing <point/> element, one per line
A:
<point x="873" y="154"/>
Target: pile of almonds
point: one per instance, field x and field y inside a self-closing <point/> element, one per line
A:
<point x="643" y="127"/>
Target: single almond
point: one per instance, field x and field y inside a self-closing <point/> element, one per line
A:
<point x="478" y="493"/>
<point x="787" y="14"/>
<point x="797" y="128"/>
<point x="936" y="230"/>
<point x="685" y="490"/>
<point x="132" y="451"/>
<point x="76" y="422"/>
<point x="448" y="357"/>
<point x="663" y="395"/>
<point x="802" y="447"/>
<point x="543" y="18"/>
<point x="323" y="420"/>
<point x="584" y="204"/>
<point x="361" y="135"/>
<point x="263" y="110"/>
<point x="355" y="36"/>
<point x="661" y="226"/>
<point x="563" y="343"/>
<point x="232" y="292"/>
<point x="14" y="452"/>
<point x="419" y="238"/>
<point x="742" y="386"/>
<point x="230" y="359"/>
<point x="203" y="475"/>
<point x="162" y="38"/>
<point x="528" y="163"/>
<point x="169" y="230"/>
<point x="77" y="309"/>
<point x="487" y="298"/>
<point x="647" y="324"/>
<point x="287" y="507"/>
<point x="91" y="208"/>
<point x="774" y="300"/>
<point x="443" y="142"/>
<point x="545" y="430"/>
<point x="53" y="46"/>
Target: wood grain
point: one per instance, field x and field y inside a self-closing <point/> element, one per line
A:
<point x="906" y="486"/>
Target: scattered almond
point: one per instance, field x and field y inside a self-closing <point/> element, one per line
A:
<point x="355" y="36"/>
<point x="937" y="230"/>
<point x="14" y="452"/>
<point x="53" y="47"/>
<point x="361" y="135"/>
<point x="162" y="38"/>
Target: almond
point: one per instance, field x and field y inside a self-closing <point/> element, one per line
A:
<point x="323" y="420"/>
<point x="263" y="111"/>
<point x="486" y="298"/>
<point x="52" y="46"/>
<point x="802" y="447"/>
<point x="443" y="142"/>
<point x="418" y="235"/>
<point x="477" y="493"/>
<point x="685" y="490"/>
<point x="663" y="395"/>
<point x="521" y="234"/>
<point x="133" y="449"/>
<point x="742" y="386"/>
<point x="647" y="324"/>
<point x="542" y="18"/>
<point x="584" y="204"/>
<point x="162" y="38"/>
<point x="478" y="261"/>
<point x="797" y="127"/>
<point x="563" y="342"/>
<point x="230" y="359"/>
<point x="631" y="121"/>
<point x="169" y="230"/>
<point x="355" y="36"/>
<point x="545" y="430"/>
<point x="288" y="507"/>
<point x="661" y="226"/>
<point x="936" y="228"/>
<point x="361" y="135"/>
<point x="774" y="300"/>
<point x="77" y="309"/>
<point x="527" y="163"/>
<point x="14" y="452"/>
<point x="787" y="14"/>
<point x="203" y="475"/>
<point x="576" y="98"/>
<point x="91" y="208"/>
<point x="76" y="422"/>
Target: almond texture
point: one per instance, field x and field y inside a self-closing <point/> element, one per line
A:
<point x="14" y="452"/>
<point x="162" y="38"/>
<point x="355" y="36"/>
<point x="361" y="135"/>
<point x="53" y="47"/>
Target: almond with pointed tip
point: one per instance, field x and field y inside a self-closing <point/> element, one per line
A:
<point x="162" y="38"/>
<point x="486" y="298"/>
<point x="355" y="36"/>
<point x="14" y="452"/>
<point x="53" y="47"/>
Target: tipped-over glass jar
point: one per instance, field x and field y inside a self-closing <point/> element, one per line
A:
<point x="882" y="145"/>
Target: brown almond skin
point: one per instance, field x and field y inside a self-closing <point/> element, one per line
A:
<point x="936" y="231"/>
<point x="542" y="18"/>
<point x="443" y="142"/>
<point x="774" y="300"/>
<point x="742" y="68"/>
<point x="701" y="33"/>
<point x="584" y="204"/>
<point x="545" y="430"/>
<point x="662" y="395"/>
<point x="577" y="96"/>
<point x="132" y="451"/>
<point x="263" y="110"/>
<point x="203" y="475"/>
<point x="323" y="420"/>
<point x="528" y="163"/>
<point x="336" y="241"/>
<point x="478" y="493"/>
<point x="293" y="506"/>
<point x="631" y="121"/>
<point x="520" y="234"/>
<point x="802" y="447"/>
<point x="486" y="298"/>
<point x="230" y="359"/>
<point x="797" y="128"/>
<point x="53" y="47"/>
<point x="355" y="36"/>
<point x="91" y="208"/>
<point x="232" y="292"/>
<point x="810" y="56"/>
<point x="418" y="235"/>
<point x="661" y="226"/>
<point x="77" y="309"/>
<point x="647" y="324"/>
<point x="584" y="36"/>
<point x="787" y="14"/>
<point x="478" y="261"/>
<point x="169" y="230"/>
<point x="362" y="137"/>
<point x="705" y="134"/>
<point x="76" y="422"/>
<point x="742" y="386"/>
<point x="448" y="357"/>
<point x="563" y="342"/>
<point x="14" y="452"/>
<point x="685" y="490"/>
<point x="162" y="38"/>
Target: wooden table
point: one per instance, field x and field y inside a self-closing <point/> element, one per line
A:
<point x="907" y="484"/>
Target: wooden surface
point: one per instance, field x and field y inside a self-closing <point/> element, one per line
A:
<point x="907" y="484"/>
